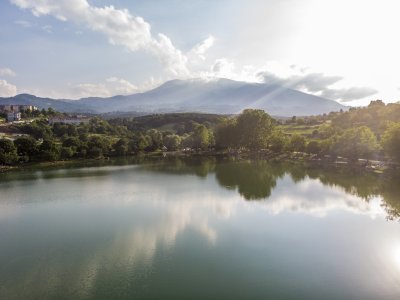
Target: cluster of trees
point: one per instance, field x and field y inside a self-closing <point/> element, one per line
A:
<point x="98" y="138"/>
<point x="375" y="130"/>
<point x="256" y="130"/>
<point x="357" y="133"/>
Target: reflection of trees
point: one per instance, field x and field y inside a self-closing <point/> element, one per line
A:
<point x="364" y="185"/>
<point x="358" y="183"/>
<point x="297" y="172"/>
<point x="390" y="192"/>
<point x="199" y="166"/>
<point x="254" y="179"/>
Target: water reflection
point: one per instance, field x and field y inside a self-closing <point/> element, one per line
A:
<point x="119" y="231"/>
<point x="252" y="179"/>
<point x="256" y="179"/>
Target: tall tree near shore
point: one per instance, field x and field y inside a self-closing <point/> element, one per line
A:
<point x="359" y="142"/>
<point x="226" y="134"/>
<point x="254" y="126"/>
<point x="391" y="141"/>
<point x="8" y="152"/>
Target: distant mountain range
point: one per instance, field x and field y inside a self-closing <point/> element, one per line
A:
<point x="221" y="96"/>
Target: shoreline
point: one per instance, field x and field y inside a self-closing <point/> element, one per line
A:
<point x="365" y="165"/>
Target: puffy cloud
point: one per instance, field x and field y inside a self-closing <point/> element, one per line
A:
<point x="122" y="86"/>
<point x="7" y="72"/>
<point x="320" y="84"/>
<point x="112" y="86"/>
<point x="84" y="90"/>
<point x="7" y="89"/>
<point x="311" y="196"/>
<point x="120" y="27"/>
<point x="313" y="82"/>
<point x="201" y="48"/>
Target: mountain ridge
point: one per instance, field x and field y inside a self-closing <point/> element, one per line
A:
<point x="220" y="96"/>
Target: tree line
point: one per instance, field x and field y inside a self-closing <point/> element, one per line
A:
<point x="40" y="141"/>
<point x="353" y="134"/>
<point x="368" y="132"/>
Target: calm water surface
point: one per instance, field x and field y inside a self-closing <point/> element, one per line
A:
<point x="199" y="229"/>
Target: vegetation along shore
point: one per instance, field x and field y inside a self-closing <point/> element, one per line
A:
<point x="368" y="137"/>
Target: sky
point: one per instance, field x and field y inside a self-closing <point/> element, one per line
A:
<point x="344" y="50"/>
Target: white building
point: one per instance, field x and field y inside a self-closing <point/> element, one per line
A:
<point x="13" y="116"/>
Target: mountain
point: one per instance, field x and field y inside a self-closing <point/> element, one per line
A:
<point x="221" y="96"/>
<point x="61" y="105"/>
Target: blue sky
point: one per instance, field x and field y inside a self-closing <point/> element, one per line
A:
<point x="343" y="50"/>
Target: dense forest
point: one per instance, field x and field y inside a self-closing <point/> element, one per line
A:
<point x="372" y="132"/>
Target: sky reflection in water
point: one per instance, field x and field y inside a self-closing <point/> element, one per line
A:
<point x="237" y="229"/>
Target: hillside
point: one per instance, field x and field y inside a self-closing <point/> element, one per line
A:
<point x="220" y="96"/>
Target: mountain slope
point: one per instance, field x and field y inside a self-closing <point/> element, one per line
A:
<point x="59" y="105"/>
<point x="220" y="96"/>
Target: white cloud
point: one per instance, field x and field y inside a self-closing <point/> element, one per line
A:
<point x="201" y="48"/>
<point x="84" y="90"/>
<point x="111" y="87"/>
<point x="120" y="27"/>
<point x="7" y="72"/>
<point x="23" y="23"/>
<point x="318" y="83"/>
<point x="7" y="89"/>
<point x="306" y="198"/>
<point x="349" y="94"/>
<point x="133" y="33"/>
<point x="122" y="86"/>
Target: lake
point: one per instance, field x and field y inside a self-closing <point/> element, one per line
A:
<point x="199" y="228"/>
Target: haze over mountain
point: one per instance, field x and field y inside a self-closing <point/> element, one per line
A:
<point x="220" y="96"/>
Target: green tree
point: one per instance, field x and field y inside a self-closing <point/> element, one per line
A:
<point x="297" y="143"/>
<point x="391" y="141"/>
<point x="187" y="141"/>
<point x="226" y="135"/>
<point x="277" y="141"/>
<point x="156" y="139"/>
<point x="37" y="129"/>
<point x="172" y="142"/>
<point x="121" y="147"/>
<point x="26" y="147"/>
<point x="8" y="152"/>
<point x="67" y="152"/>
<point x="254" y="127"/>
<point x="354" y="143"/>
<point x="139" y="143"/>
<point x="71" y="142"/>
<point x="98" y="146"/>
<point x="201" y="137"/>
<point x="49" y="151"/>
<point x="313" y="147"/>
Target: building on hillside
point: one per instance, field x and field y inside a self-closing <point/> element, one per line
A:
<point x="13" y="116"/>
<point x="73" y="120"/>
<point x="17" y="108"/>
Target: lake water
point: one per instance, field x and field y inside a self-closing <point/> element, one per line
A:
<point x="199" y="229"/>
